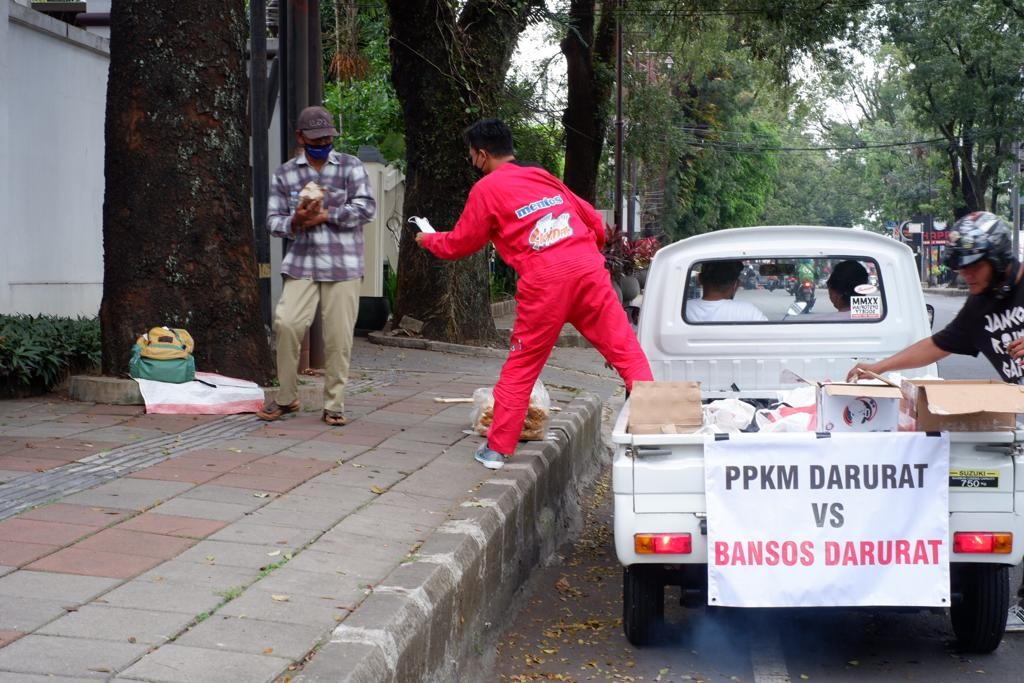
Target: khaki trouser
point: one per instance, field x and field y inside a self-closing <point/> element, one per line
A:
<point x="339" y="305"/>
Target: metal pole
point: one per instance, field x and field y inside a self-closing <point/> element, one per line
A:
<point x="260" y="151"/>
<point x="286" y="117"/>
<point x="316" y="55"/>
<point x="1018" y="159"/>
<point x="618" y="116"/>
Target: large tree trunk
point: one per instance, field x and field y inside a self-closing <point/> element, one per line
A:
<point x="177" y="225"/>
<point x="448" y="71"/>
<point x="590" y="62"/>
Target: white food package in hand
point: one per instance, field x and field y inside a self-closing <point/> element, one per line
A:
<point x="422" y="223"/>
<point x="311" y="193"/>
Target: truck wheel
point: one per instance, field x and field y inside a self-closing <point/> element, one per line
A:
<point x="643" y="602"/>
<point x="979" y="617"/>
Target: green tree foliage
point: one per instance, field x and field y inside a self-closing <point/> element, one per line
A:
<point x="357" y="78"/>
<point x="962" y="64"/>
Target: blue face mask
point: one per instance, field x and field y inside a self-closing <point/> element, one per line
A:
<point x="318" y="152"/>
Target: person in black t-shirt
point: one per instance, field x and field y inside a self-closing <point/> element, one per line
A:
<point x="991" y="321"/>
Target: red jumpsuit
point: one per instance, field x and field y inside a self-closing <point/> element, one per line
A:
<point x="552" y="239"/>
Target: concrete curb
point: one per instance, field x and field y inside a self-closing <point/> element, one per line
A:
<point x="430" y="616"/>
<point x="945" y="291"/>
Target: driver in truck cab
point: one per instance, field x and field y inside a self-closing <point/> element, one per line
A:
<point x="719" y="281"/>
<point x="991" y="321"/>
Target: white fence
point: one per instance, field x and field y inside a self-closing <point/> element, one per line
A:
<point x="52" y="108"/>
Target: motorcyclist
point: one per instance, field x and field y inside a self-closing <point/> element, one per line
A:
<point x="991" y="321"/>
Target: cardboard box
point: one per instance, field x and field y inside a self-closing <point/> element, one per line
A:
<point x="959" y="405"/>
<point x="665" y="408"/>
<point x="858" y="407"/>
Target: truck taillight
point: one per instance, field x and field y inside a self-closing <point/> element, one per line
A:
<point x="670" y="544"/>
<point x="982" y="542"/>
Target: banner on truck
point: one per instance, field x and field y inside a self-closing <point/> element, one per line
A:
<point x="853" y="519"/>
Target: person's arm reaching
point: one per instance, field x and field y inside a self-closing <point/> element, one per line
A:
<point x="917" y="355"/>
<point x="470" y="234"/>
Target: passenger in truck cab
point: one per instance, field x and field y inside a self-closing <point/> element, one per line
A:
<point x="719" y="281"/>
<point x="842" y="284"/>
<point x="991" y="321"/>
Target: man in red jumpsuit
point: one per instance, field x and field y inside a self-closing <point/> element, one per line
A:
<point x="552" y="239"/>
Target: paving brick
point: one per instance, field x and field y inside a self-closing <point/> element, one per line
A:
<point x="7" y="637"/>
<point x="318" y="518"/>
<point x="78" y="514"/>
<point x="359" y="477"/>
<point x="290" y="580"/>
<point x="221" y="632"/>
<point x="79" y="657"/>
<point x="164" y="472"/>
<point x="331" y="453"/>
<point x="8" y="677"/>
<point x="361" y="556"/>
<point x="453" y="483"/>
<point x="219" y="577"/>
<point x="94" y="563"/>
<point x="335" y="491"/>
<point x="394" y="417"/>
<point x="389" y="522"/>
<point x="201" y="509"/>
<point x="4" y="571"/>
<point x="10" y="475"/>
<point x="28" y="614"/>
<point x="338" y="662"/>
<point x="283" y="537"/>
<point x="106" y="622"/>
<point x="258" y="445"/>
<point x="173" y="525"/>
<point x="402" y="461"/>
<point x="298" y="609"/>
<point x="120" y="540"/>
<point x="67" y="588"/>
<point x="259" y="483"/>
<point x="128" y="494"/>
<point x="165" y="596"/>
<point x="212" y="459"/>
<point x="16" y="554"/>
<point x="180" y="664"/>
<point x="228" y="494"/>
<point x="232" y="554"/>
<point x="44" y="533"/>
<point x="19" y="463"/>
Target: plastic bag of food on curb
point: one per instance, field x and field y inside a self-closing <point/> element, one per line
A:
<point x="731" y="414"/>
<point x="538" y="414"/>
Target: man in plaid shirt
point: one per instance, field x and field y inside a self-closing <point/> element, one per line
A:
<point x="324" y="263"/>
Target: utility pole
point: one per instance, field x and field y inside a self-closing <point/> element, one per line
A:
<point x="1015" y="189"/>
<point x="260" y="150"/>
<point x="618" y="115"/>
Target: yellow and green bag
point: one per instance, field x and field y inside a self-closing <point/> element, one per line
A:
<point x="163" y="354"/>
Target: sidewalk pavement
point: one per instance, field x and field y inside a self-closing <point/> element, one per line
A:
<point x="171" y="548"/>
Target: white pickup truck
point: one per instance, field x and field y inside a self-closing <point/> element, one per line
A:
<point x="659" y="479"/>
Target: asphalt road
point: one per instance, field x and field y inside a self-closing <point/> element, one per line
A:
<point x="569" y="627"/>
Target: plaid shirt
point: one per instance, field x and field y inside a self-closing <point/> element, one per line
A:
<point x="331" y="251"/>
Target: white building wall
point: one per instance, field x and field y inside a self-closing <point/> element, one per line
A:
<point x="52" y="109"/>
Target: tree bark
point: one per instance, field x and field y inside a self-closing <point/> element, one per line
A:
<point x="448" y="71"/>
<point x="589" y="49"/>
<point x="177" y="224"/>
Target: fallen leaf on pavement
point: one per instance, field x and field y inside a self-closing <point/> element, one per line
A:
<point x="280" y="598"/>
<point x="376" y="489"/>
<point x="274" y="553"/>
<point x="267" y="650"/>
<point x="357" y="465"/>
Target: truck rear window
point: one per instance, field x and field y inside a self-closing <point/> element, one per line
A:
<point x="801" y="290"/>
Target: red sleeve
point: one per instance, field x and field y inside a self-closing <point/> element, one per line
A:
<point x="471" y="232"/>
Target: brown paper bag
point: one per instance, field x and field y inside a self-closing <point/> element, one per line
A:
<point x="665" y="408"/>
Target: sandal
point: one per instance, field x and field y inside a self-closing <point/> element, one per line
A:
<point x="272" y="410"/>
<point x="335" y="419"/>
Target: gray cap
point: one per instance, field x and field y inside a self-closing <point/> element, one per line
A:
<point x="315" y="122"/>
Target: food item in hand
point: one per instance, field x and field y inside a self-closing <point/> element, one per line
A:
<point x="311" y="193"/>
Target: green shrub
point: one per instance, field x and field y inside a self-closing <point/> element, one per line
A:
<point x="37" y="352"/>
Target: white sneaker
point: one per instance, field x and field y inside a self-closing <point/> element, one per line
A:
<point x="1015" y="619"/>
